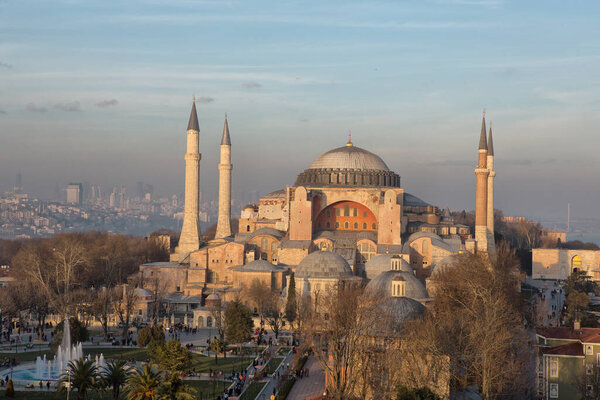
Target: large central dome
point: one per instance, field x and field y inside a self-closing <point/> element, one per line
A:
<point x="348" y="166"/>
<point x="350" y="157"/>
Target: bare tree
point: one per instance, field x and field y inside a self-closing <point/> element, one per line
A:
<point x="275" y="313"/>
<point x="124" y="304"/>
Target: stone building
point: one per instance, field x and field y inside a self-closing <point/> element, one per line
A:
<point x="559" y="263"/>
<point x="347" y="208"/>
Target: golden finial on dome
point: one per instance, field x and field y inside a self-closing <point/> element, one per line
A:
<point x="349" y="138"/>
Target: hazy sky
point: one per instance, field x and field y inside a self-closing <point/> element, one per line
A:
<point x="100" y="91"/>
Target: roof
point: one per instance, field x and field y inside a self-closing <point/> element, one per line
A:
<point x="164" y="264"/>
<point x="349" y="157"/>
<point x="383" y="263"/>
<point x="193" y="122"/>
<point x="413" y="288"/>
<point x="585" y="335"/>
<point x="277" y="194"/>
<point x="414" y="201"/>
<point x="266" y="231"/>
<point x="569" y="349"/>
<point x="482" y="139"/>
<point x="436" y="241"/>
<point x="257" y="266"/>
<point x="323" y="264"/>
<point x="225" y="140"/>
<point x="295" y="244"/>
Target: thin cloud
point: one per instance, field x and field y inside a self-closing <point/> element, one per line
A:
<point x="107" y="103"/>
<point x="70" y="106"/>
<point x="251" y="85"/>
<point x="32" y="107"/>
<point x="2" y="111"/>
<point x="5" y="65"/>
<point x="205" y="99"/>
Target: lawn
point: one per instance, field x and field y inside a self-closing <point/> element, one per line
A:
<point x="253" y="390"/>
<point x="205" y="364"/>
<point x="273" y="364"/>
<point x="208" y="389"/>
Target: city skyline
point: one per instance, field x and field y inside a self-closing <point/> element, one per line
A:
<point x="409" y="80"/>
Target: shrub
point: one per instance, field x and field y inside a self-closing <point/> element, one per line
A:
<point x="10" y="389"/>
<point x="151" y="334"/>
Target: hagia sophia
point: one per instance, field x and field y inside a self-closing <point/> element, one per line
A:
<point x="345" y="219"/>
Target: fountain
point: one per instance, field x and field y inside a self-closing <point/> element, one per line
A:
<point x="51" y="369"/>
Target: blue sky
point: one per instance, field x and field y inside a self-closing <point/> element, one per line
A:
<point x="100" y="91"/>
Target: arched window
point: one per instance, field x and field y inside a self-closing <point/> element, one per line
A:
<point x="364" y="225"/>
<point x="576" y="263"/>
<point x="346" y="225"/>
<point x="328" y="224"/>
<point x="328" y="213"/>
<point x="425" y="247"/>
<point x="346" y="210"/>
<point x="263" y="244"/>
<point x="356" y="225"/>
<point x="200" y="322"/>
<point x="209" y="322"/>
<point x="273" y="245"/>
<point x="247" y="228"/>
<point x="337" y="224"/>
<point x="373" y="226"/>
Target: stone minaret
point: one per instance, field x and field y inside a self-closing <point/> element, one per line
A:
<point x="225" y="167"/>
<point x="189" y="239"/>
<point x="490" y="189"/>
<point x="481" y="192"/>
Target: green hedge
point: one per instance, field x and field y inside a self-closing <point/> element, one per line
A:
<point x="285" y="388"/>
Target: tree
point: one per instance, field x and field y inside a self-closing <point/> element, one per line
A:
<point x="175" y="389"/>
<point x="335" y="329"/>
<point x="172" y="357"/>
<point x="150" y="334"/>
<point x="114" y="376"/>
<point x="10" y="389"/>
<point x="577" y="303"/>
<point x="144" y="384"/>
<point x="124" y="305"/>
<point x="238" y="321"/>
<point x="476" y="326"/>
<point x="102" y="306"/>
<point x="423" y="393"/>
<point x="259" y="294"/>
<point x="218" y="346"/>
<point x="291" y="307"/>
<point x="80" y="374"/>
<point x="274" y="314"/>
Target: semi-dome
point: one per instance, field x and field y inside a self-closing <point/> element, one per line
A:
<point x="323" y="264"/>
<point x="383" y="263"/>
<point x="383" y="285"/>
<point x="350" y="157"/>
<point x="348" y="166"/>
<point x="399" y="310"/>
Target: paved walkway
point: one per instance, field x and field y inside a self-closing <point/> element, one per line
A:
<point x="549" y="306"/>
<point x="312" y="386"/>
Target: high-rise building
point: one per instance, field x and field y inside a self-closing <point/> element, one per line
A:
<point x="74" y="193"/>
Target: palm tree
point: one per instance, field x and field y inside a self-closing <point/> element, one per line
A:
<point x="80" y="374"/>
<point x="143" y="385"/>
<point x="174" y="389"/>
<point x="114" y="376"/>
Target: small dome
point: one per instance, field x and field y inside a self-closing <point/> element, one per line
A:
<point x="259" y="266"/>
<point x="141" y="293"/>
<point x="446" y="262"/>
<point x="401" y="310"/>
<point x="413" y="287"/>
<point x="382" y="263"/>
<point x="266" y="231"/>
<point x="349" y="157"/>
<point x="323" y="264"/>
<point x="213" y="296"/>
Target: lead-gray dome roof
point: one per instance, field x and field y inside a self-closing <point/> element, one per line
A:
<point x="323" y="264"/>
<point x="401" y="309"/>
<point x="382" y="263"/>
<point x="350" y="157"/>
<point x="257" y="266"/>
<point x="413" y="287"/>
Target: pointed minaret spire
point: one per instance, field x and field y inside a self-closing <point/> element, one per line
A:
<point x="482" y="140"/>
<point x="349" y="144"/>
<point x="193" y="123"/>
<point x="225" y="139"/>
<point x="490" y="142"/>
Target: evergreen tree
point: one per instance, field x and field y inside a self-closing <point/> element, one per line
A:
<point x="238" y="321"/>
<point x="291" y="307"/>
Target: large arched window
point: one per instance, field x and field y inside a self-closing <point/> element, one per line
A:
<point x="345" y="215"/>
